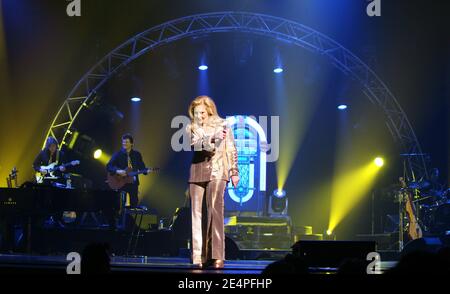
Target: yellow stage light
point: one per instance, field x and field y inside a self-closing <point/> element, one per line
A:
<point x="379" y="161"/>
<point x="348" y="190"/>
<point x="101" y="156"/>
<point x="98" y="153"/>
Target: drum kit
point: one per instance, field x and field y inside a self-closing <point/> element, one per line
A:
<point x="433" y="206"/>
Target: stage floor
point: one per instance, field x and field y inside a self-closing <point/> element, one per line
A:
<point x="17" y="263"/>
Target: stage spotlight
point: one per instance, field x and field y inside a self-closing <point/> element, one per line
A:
<point x="203" y="67"/>
<point x="73" y="138"/>
<point x="136" y="99"/>
<point x="348" y="189"/>
<point x="82" y="144"/>
<point x="278" y="203"/>
<point x="101" y="156"/>
<point x="278" y="70"/>
<point x="279" y="193"/>
<point x="342" y="107"/>
<point x="379" y="161"/>
<point x="329" y="235"/>
<point x="98" y="153"/>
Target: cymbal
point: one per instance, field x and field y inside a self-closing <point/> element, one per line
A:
<point x="418" y="185"/>
<point x="75" y="175"/>
<point x="421" y="199"/>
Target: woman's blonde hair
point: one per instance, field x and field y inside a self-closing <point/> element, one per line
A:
<point x="209" y="104"/>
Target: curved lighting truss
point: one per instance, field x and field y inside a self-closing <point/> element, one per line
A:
<point x="281" y="29"/>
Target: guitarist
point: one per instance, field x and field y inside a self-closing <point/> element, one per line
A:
<point x="129" y="158"/>
<point x="48" y="155"/>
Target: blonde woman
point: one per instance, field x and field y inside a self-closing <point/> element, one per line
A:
<point x="214" y="163"/>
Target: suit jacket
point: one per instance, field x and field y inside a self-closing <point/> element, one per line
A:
<point x="214" y="159"/>
<point x="119" y="160"/>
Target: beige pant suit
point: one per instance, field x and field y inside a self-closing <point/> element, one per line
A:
<point x="214" y="162"/>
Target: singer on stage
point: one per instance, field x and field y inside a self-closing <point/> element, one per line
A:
<point x="214" y="163"/>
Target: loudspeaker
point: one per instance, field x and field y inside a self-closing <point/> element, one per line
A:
<point x="332" y="253"/>
<point x="428" y="244"/>
<point x="232" y="251"/>
<point x="182" y="224"/>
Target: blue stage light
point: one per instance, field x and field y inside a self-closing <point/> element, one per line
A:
<point x="342" y="107"/>
<point x="279" y="193"/>
<point x="136" y="99"/>
<point x="278" y="70"/>
<point x="203" y="67"/>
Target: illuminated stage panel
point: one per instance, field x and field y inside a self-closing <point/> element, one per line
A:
<point x="249" y="196"/>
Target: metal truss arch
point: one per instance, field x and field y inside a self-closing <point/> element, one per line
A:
<point x="273" y="27"/>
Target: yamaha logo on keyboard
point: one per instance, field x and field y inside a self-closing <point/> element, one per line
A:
<point x="9" y="202"/>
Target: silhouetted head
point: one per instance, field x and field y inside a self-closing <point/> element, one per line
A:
<point x="289" y="265"/>
<point x="353" y="266"/>
<point x="419" y="262"/>
<point x="95" y="259"/>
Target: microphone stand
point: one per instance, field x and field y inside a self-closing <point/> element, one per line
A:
<point x="373" y="220"/>
<point x="400" y="222"/>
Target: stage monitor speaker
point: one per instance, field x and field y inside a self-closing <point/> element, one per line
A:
<point x="332" y="253"/>
<point x="181" y="224"/>
<point x="428" y="244"/>
<point x="232" y="251"/>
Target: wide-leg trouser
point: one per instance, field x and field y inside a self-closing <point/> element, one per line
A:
<point x="208" y="242"/>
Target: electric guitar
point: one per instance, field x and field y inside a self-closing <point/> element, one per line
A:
<point x="50" y="169"/>
<point x="116" y="181"/>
